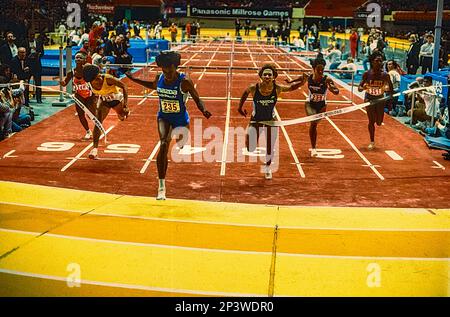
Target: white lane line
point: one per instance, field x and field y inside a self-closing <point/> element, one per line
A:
<point x="291" y="147"/>
<point x="372" y="167"/>
<point x="150" y="158"/>
<point x="99" y="159"/>
<point x="76" y="158"/>
<point x="142" y="101"/>
<point x="394" y="155"/>
<point x="438" y="165"/>
<point x="227" y="119"/>
<point x="9" y="154"/>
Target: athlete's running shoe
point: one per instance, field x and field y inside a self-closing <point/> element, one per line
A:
<point x="313" y="153"/>
<point x="161" y="194"/>
<point x="88" y="135"/>
<point x="371" y="146"/>
<point x="93" y="155"/>
<point x="267" y="172"/>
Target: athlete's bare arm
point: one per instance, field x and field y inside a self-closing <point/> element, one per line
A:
<point x="301" y="79"/>
<point x="67" y="79"/>
<point x="363" y="84"/>
<point x="331" y="86"/>
<point x="145" y="83"/>
<point x="250" y="90"/>
<point x="187" y="86"/>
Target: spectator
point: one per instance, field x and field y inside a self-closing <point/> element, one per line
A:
<point x="335" y="57"/>
<point x="108" y="49"/>
<point x="158" y="30"/>
<point x="237" y="26"/>
<point x="9" y="49"/>
<point x="441" y="127"/>
<point x="198" y="28"/>
<point x="364" y="55"/>
<point x="137" y="29"/>
<point x="412" y="58"/>
<point x="194" y="31"/>
<point x="98" y="56"/>
<point x="35" y="48"/>
<point x="350" y="65"/>
<point x="270" y="33"/>
<point x="21" y="66"/>
<point x="298" y="44"/>
<point x="247" y="27"/>
<point x="74" y="37"/>
<point x="427" y="105"/>
<point x="188" y="30"/>
<point x="426" y="54"/>
<point x="353" y="44"/>
<point x="62" y="30"/>
<point x="393" y="71"/>
<point x="95" y="35"/>
<point x="6" y="111"/>
<point x="173" y="32"/>
<point x="258" y="32"/>
<point x="120" y="52"/>
<point x="119" y="28"/>
<point x="84" y="37"/>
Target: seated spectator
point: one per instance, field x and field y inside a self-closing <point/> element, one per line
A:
<point x="427" y="104"/>
<point x="297" y="44"/>
<point x="334" y="57"/>
<point x="98" y="56"/>
<point x="120" y="53"/>
<point x="6" y="111"/>
<point x="393" y="71"/>
<point x="20" y="120"/>
<point x="109" y="45"/>
<point x="350" y="65"/>
<point x="75" y="37"/>
<point x="441" y="127"/>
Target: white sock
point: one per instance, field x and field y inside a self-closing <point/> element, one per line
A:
<point x="162" y="183"/>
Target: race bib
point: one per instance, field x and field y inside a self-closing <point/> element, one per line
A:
<point x="375" y="91"/>
<point x="317" y="97"/>
<point x="170" y="106"/>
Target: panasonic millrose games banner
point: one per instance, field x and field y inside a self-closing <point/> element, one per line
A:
<point x="239" y="12"/>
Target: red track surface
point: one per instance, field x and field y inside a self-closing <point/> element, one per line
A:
<point x="415" y="181"/>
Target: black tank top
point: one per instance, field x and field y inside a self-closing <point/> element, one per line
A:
<point x="263" y="106"/>
<point x="317" y="91"/>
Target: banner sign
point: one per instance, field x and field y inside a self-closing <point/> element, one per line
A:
<point x="239" y="12"/>
<point x="100" y="8"/>
<point x="176" y="10"/>
<point x="362" y="14"/>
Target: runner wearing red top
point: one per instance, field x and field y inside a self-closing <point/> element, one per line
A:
<point x="82" y="91"/>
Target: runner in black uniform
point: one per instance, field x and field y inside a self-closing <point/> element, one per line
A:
<point x="375" y="82"/>
<point x="316" y="102"/>
<point x="265" y="96"/>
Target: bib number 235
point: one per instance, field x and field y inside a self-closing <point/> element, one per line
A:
<point x="170" y="106"/>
